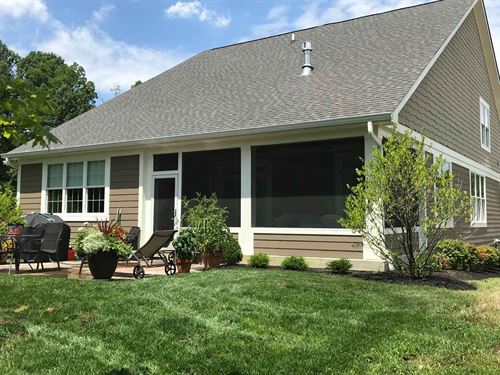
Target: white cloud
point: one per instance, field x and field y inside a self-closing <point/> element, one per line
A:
<point x="493" y="13"/>
<point x="318" y="12"/>
<point x="101" y="13"/>
<point x="24" y="8"/>
<point x="190" y="9"/>
<point x="107" y="61"/>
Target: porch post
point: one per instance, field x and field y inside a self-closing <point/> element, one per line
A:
<point x="368" y="252"/>
<point x="245" y="236"/>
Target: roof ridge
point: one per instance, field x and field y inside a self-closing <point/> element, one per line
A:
<point x="327" y="24"/>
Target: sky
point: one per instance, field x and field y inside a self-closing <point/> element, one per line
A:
<point x="121" y="41"/>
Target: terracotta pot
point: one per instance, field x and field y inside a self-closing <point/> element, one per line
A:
<point x="184" y="265"/>
<point x="103" y="264"/>
<point x="211" y="260"/>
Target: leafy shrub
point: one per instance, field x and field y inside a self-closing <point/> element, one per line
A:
<point x="185" y="244"/>
<point x="294" y="263"/>
<point x="208" y="221"/>
<point x="232" y="251"/>
<point x="458" y="255"/>
<point x="341" y="265"/>
<point x="489" y="256"/>
<point x="10" y="212"/>
<point x="108" y="236"/>
<point x="259" y="260"/>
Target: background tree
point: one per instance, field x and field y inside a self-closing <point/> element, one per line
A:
<point x="416" y="200"/>
<point x="8" y="61"/>
<point x="137" y="83"/>
<point x="70" y="93"/>
<point x="38" y="92"/>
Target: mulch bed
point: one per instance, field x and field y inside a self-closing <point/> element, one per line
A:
<point x="449" y="279"/>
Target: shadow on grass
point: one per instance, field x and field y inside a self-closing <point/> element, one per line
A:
<point x="435" y="280"/>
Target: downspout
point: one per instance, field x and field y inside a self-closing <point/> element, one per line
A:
<point x="372" y="133"/>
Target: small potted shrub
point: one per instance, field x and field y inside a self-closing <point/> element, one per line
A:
<point x="294" y="263"/>
<point x="231" y="254"/>
<point x="185" y="249"/>
<point x="259" y="260"/>
<point x="341" y="265"/>
<point x="103" y="246"/>
<point x="208" y="222"/>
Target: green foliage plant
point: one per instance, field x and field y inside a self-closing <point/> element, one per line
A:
<point x="259" y="260"/>
<point x="10" y="211"/>
<point x="341" y="265"/>
<point x="203" y="215"/>
<point x="185" y="244"/>
<point x="405" y="195"/>
<point x="231" y="253"/>
<point x="294" y="263"/>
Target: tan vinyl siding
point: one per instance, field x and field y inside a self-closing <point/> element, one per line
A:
<point x="492" y="231"/>
<point x="317" y="246"/>
<point x="31" y="187"/>
<point x="124" y="189"/>
<point x="445" y="107"/>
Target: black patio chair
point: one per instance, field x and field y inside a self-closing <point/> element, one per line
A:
<point x="156" y="245"/>
<point x="49" y="245"/>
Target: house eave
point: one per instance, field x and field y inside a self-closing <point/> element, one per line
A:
<point x="204" y="136"/>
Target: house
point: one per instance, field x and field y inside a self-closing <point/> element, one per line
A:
<point x="276" y="127"/>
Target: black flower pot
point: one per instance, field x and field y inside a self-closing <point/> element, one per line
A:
<point x="103" y="264"/>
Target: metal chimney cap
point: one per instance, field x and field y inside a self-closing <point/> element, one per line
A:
<point x="306" y="46"/>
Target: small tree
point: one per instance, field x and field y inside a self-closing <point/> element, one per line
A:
<point x="10" y="212"/>
<point x="404" y="203"/>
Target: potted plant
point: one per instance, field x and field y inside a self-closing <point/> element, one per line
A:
<point x="208" y="222"/>
<point x="103" y="246"/>
<point x="185" y="248"/>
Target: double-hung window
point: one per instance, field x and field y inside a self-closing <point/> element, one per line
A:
<point x="76" y="187"/>
<point x="484" y="115"/>
<point x="478" y="194"/>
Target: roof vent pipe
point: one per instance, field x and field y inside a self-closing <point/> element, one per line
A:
<point x="307" y="68"/>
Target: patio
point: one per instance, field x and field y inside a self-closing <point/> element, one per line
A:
<point x="70" y="270"/>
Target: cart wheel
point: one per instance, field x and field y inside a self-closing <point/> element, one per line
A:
<point x="170" y="269"/>
<point x="139" y="272"/>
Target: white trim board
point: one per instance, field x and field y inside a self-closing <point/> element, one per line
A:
<point x="416" y="84"/>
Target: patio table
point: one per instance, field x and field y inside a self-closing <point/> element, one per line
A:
<point x="14" y="245"/>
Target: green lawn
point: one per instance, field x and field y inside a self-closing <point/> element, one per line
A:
<point x="241" y="321"/>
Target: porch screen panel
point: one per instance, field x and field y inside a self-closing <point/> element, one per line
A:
<point x="218" y="172"/>
<point x="303" y="185"/>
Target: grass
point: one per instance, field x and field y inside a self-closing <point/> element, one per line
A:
<point x="242" y="321"/>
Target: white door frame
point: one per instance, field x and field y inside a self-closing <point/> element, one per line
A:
<point x="177" y="197"/>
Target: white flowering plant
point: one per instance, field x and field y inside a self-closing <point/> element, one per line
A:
<point x="91" y="240"/>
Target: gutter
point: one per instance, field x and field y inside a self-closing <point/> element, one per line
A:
<point x="372" y="133"/>
<point x="206" y="136"/>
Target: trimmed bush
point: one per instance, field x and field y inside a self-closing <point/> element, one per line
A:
<point x="259" y="260"/>
<point x="489" y="256"/>
<point x="459" y="255"/>
<point x="341" y="265"/>
<point x="232" y="251"/>
<point x="294" y="263"/>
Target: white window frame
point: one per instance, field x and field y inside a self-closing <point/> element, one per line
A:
<point x="478" y="199"/>
<point x="486" y="123"/>
<point x="84" y="215"/>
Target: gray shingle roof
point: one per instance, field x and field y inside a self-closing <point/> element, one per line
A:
<point x="362" y="67"/>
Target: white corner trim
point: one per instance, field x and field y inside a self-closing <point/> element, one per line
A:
<point x="395" y="115"/>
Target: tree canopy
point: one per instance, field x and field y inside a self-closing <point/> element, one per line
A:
<point x="37" y="93"/>
<point x="70" y="93"/>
